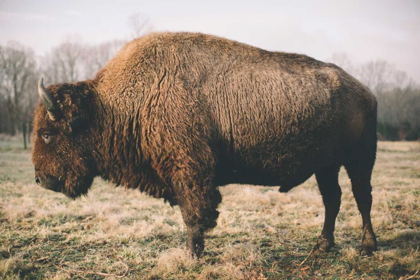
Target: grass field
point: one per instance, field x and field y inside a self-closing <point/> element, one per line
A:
<point x="261" y="233"/>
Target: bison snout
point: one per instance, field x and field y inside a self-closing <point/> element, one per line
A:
<point x="49" y="183"/>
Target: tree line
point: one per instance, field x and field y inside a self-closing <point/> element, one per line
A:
<point x="398" y="96"/>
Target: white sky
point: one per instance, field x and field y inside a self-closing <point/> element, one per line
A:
<point x="365" y="30"/>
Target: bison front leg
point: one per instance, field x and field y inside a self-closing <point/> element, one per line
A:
<point x="327" y="179"/>
<point x="199" y="212"/>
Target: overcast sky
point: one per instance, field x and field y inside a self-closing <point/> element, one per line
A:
<point x="365" y="30"/>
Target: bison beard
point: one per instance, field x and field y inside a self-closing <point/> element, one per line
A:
<point x="176" y="115"/>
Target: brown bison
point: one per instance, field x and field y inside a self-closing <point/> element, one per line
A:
<point x="176" y="115"/>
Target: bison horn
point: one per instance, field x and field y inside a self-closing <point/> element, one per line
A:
<point x="48" y="101"/>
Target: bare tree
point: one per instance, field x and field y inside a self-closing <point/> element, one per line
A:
<point x="95" y="57"/>
<point x="343" y="60"/>
<point x="17" y="66"/>
<point x="64" y="63"/>
<point x="139" y="24"/>
<point x="378" y="75"/>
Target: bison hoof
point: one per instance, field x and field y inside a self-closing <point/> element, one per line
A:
<point x="324" y="244"/>
<point x="195" y="242"/>
<point x="367" y="250"/>
<point x="368" y="244"/>
<point x="368" y="247"/>
<point x="196" y="251"/>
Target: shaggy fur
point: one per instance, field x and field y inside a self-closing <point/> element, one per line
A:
<point x="176" y="115"/>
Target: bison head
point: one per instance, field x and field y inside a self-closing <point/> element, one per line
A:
<point x="62" y="150"/>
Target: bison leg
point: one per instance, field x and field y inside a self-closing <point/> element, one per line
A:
<point x="327" y="179"/>
<point x="360" y="175"/>
<point x="199" y="212"/>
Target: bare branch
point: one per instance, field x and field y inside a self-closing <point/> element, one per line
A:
<point x="139" y="24"/>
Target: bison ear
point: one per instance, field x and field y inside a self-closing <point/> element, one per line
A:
<point x="78" y="123"/>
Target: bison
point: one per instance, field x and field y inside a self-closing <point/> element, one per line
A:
<point x="177" y="115"/>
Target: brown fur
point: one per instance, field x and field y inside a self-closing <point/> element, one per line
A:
<point x="178" y="114"/>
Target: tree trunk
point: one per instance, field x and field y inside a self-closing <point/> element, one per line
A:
<point x="24" y="135"/>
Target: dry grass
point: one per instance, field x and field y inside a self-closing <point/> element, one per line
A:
<point x="261" y="233"/>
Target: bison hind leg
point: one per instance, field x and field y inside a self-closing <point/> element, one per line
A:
<point x="360" y="176"/>
<point x="327" y="179"/>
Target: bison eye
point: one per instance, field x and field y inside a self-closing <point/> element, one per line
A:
<point x="47" y="137"/>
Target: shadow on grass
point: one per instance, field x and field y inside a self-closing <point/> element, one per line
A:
<point x="406" y="240"/>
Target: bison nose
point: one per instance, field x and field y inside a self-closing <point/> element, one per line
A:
<point x="37" y="181"/>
